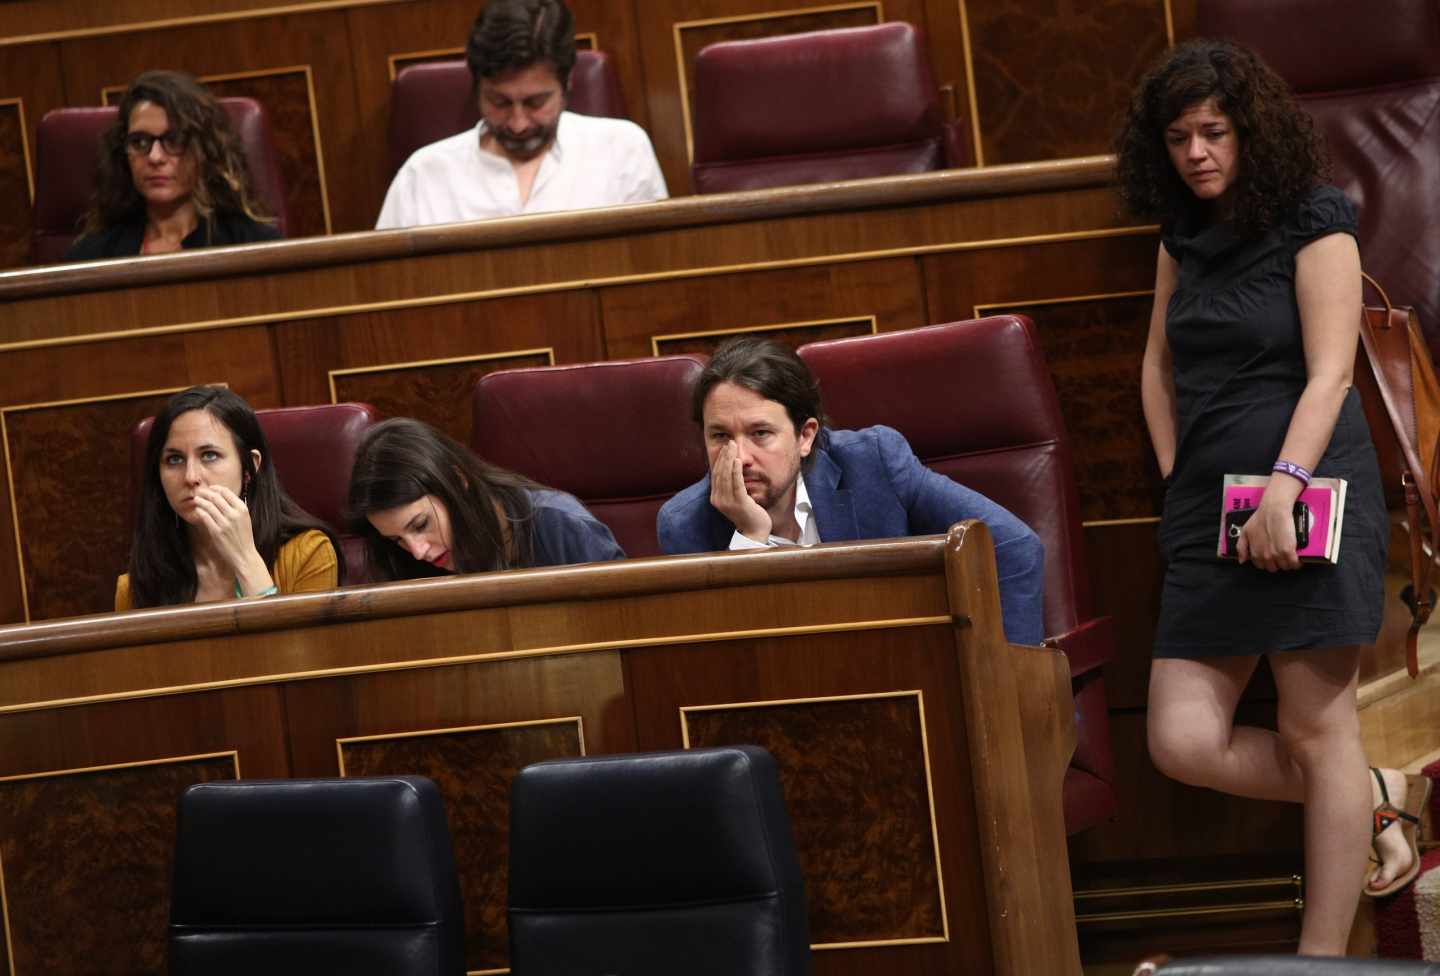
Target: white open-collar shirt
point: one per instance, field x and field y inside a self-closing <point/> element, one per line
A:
<point x="804" y="517"/>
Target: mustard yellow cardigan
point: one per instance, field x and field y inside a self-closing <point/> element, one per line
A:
<point x="305" y="564"/>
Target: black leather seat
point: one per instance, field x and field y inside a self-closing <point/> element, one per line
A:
<point x="352" y="876"/>
<point x="1287" y="966"/>
<point x="655" y="864"/>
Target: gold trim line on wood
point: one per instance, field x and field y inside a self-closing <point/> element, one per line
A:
<point x="655" y="340"/>
<point x="19" y="104"/>
<point x="969" y="54"/>
<point x="1295" y="904"/>
<point x="340" y="743"/>
<point x="428" y="301"/>
<point x="165" y="691"/>
<point x="1169" y="23"/>
<point x="233" y="754"/>
<point x="486" y="972"/>
<point x="148" y="25"/>
<point x="1060" y="300"/>
<point x="919" y="696"/>
<point x="303" y="69"/>
<point x="10" y="474"/>
<point x="547" y="351"/>
<point x="458" y="53"/>
<point x="682" y="25"/>
<point x="1293" y="880"/>
<point x="5" y="917"/>
<point x="1107" y="523"/>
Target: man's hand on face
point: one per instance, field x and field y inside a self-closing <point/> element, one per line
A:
<point x="728" y="495"/>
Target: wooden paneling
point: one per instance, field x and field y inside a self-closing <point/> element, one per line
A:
<point x="16" y="183"/>
<point x="635" y="316"/>
<point x="473" y="769"/>
<point x="1093" y="346"/>
<point x="53" y="450"/>
<point x="792" y="334"/>
<point x="267" y="50"/>
<point x="864" y="830"/>
<point x="26" y="17"/>
<point x="1051" y="79"/>
<point x="87" y="818"/>
<point x="438" y="393"/>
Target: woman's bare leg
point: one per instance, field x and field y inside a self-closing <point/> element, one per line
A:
<point x="1194" y="739"/>
<point x="1321" y="732"/>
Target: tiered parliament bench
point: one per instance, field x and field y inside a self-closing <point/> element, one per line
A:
<point x="921" y="755"/>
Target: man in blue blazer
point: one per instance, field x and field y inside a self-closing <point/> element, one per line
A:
<point x="779" y="477"/>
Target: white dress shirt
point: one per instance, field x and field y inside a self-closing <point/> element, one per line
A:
<point x="593" y="162"/>
<point x="804" y="517"/>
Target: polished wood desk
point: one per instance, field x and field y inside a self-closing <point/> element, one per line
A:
<point x="921" y="755"/>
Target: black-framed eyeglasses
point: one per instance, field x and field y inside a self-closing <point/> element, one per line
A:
<point x="140" y="143"/>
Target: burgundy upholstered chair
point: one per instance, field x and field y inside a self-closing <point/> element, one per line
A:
<point x="67" y="151"/>
<point x="431" y="100"/>
<point x="976" y="402"/>
<point x="816" y="107"/>
<point x="616" y="435"/>
<point x="1369" y="74"/>
<point x="313" y="450"/>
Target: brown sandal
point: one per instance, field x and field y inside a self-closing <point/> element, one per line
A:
<point x="1417" y="788"/>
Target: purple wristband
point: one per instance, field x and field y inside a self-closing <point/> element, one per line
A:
<point x="1294" y="471"/>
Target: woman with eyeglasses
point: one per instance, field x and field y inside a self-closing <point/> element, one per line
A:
<point x="172" y="175"/>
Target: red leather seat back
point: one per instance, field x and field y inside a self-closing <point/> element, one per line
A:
<point x="67" y="152"/>
<point x="617" y="435"/>
<point x="431" y="100"/>
<point x="976" y="403"/>
<point x="1369" y="74"/>
<point x="313" y="450"/>
<point x="816" y="107"/>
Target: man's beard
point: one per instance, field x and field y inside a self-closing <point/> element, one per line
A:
<point x="528" y="144"/>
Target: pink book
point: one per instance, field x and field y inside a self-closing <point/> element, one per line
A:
<point x="1319" y="512"/>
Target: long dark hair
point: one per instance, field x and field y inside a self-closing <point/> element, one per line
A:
<point x="162" y="569"/>
<point x="1281" y="157"/>
<point x="772" y="370"/>
<point x="222" y="176"/>
<point x="402" y="460"/>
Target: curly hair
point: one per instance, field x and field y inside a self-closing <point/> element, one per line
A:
<point x="513" y="34"/>
<point x="1280" y="155"/>
<point x="223" y="184"/>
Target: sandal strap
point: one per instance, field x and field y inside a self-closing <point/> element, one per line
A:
<point x="1380" y="782"/>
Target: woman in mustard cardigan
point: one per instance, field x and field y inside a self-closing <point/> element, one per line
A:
<point x="214" y="523"/>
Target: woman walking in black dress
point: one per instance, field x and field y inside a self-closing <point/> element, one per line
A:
<point x="1247" y="370"/>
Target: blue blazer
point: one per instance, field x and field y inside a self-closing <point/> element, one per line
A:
<point x="564" y="532"/>
<point x="868" y="484"/>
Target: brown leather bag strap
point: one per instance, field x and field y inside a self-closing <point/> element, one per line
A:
<point x="1383" y="347"/>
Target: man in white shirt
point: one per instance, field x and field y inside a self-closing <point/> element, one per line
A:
<point x="527" y="155"/>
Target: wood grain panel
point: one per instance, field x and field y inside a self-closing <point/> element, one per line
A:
<point x="74" y="536"/>
<point x="884" y="661"/>
<point x="437" y="393"/>
<point x="634" y="315"/>
<point x="266" y="48"/>
<point x="473" y="769"/>
<point x="1093" y="346"/>
<point x="20" y="18"/>
<point x="1050" y="79"/>
<point x="93" y="883"/>
<point x="792" y="334"/>
<point x="16" y="183"/>
<point x="857" y="774"/>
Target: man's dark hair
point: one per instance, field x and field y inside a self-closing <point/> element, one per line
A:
<point x="1280" y="155"/>
<point x="513" y="34"/>
<point x="770" y="369"/>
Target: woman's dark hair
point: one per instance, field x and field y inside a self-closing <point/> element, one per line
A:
<point x="402" y="460"/>
<point x="222" y="175"/>
<point x="770" y="369"/>
<point x="162" y="570"/>
<point x="1280" y="156"/>
<point x="513" y="34"/>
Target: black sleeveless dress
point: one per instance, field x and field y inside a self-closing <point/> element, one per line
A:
<point x="1233" y="328"/>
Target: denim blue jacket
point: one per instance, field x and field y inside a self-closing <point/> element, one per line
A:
<point x="868" y="484"/>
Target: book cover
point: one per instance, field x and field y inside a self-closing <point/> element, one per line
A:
<point x="1319" y="514"/>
